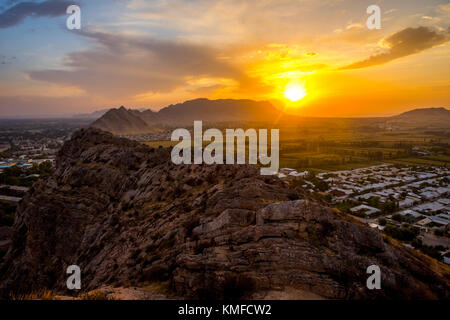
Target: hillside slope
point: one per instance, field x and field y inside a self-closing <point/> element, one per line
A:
<point x="222" y="110"/>
<point x="122" y="121"/>
<point x="435" y="117"/>
<point x="126" y="215"/>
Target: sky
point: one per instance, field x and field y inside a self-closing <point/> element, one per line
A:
<point x="149" y="54"/>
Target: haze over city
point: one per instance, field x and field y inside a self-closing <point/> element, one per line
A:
<point x="316" y="58"/>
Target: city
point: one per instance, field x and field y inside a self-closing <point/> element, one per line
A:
<point x="411" y="198"/>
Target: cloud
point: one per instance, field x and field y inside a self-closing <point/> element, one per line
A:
<point x="17" y="13"/>
<point x="444" y="8"/>
<point x="401" y="44"/>
<point x="122" y="66"/>
<point x="390" y="11"/>
<point x="4" y="60"/>
<point x="7" y="3"/>
<point x="354" y="33"/>
<point x="236" y="21"/>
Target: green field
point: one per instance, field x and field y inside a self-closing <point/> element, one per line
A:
<point x="341" y="146"/>
<point x="419" y="162"/>
<point x="334" y="147"/>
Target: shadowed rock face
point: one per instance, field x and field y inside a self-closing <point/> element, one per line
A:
<point x="125" y="214"/>
<point x="5" y="239"/>
<point x="122" y="121"/>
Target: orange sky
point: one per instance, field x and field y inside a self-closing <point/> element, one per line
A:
<point x="145" y="54"/>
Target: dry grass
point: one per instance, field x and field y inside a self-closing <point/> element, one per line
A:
<point x="44" y="294"/>
<point x="95" y="295"/>
<point x="161" y="287"/>
<point x="51" y="295"/>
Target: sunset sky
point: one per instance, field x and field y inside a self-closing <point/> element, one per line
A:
<point x="148" y="54"/>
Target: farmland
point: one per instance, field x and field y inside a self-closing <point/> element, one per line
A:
<point x="330" y="148"/>
<point x="342" y="144"/>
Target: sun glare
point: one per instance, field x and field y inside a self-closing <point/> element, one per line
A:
<point x="295" y="92"/>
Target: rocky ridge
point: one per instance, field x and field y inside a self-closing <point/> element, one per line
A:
<point x="127" y="215"/>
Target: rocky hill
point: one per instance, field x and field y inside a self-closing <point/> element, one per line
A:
<point x="127" y="216"/>
<point x="122" y="121"/>
<point x="437" y="117"/>
<point x="426" y="112"/>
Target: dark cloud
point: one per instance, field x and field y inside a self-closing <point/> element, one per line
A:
<point x="403" y="43"/>
<point x="17" y="13"/>
<point x="125" y="66"/>
<point x="5" y="60"/>
<point x="7" y="3"/>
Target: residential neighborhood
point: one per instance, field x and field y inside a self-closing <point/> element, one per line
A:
<point x="399" y="198"/>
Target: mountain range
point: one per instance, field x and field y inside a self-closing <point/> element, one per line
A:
<point x="128" y="121"/>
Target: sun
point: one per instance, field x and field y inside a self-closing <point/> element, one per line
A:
<point x="295" y="92"/>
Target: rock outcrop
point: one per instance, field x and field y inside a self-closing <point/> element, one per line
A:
<point x="122" y="121"/>
<point x="127" y="215"/>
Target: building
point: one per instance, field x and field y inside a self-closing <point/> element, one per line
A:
<point x="364" y="209"/>
<point x="424" y="222"/>
<point x="408" y="202"/>
<point x="411" y="213"/>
